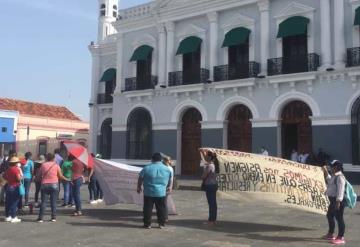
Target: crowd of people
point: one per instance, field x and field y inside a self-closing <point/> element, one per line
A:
<point x="49" y="173"/>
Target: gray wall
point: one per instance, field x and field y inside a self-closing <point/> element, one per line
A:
<point x="165" y="141"/>
<point x="118" y="145"/>
<point x="334" y="140"/>
<point x="266" y="137"/>
<point x="212" y="138"/>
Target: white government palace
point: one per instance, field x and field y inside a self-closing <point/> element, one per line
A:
<point x="175" y="75"/>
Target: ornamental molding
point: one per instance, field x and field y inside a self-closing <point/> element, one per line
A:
<point x="328" y="121"/>
<point x="238" y="20"/>
<point x="191" y="30"/>
<point x="294" y="9"/>
<point x="145" y="39"/>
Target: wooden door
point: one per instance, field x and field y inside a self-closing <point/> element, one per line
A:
<point x="191" y="142"/>
<point x="296" y="128"/>
<point x="239" y="61"/>
<point x="240" y="129"/>
<point x="106" y="139"/>
<point x="295" y="54"/>
<point x="192" y="67"/>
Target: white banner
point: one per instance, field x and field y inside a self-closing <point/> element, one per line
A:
<point x="119" y="183"/>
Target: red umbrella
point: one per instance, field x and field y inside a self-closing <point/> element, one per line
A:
<point x="80" y="153"/>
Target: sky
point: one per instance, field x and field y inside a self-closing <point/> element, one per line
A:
<point x="43" y="50"/>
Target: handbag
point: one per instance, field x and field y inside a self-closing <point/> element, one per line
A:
<point x="22" y="188"/>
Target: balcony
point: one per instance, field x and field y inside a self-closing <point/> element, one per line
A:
<point x="353" y="57"/>
<point x="279" y="66"/>
<point x="132" y="84"/>
<point x="104" y="99"/>
<point x="225" y="72"/>
<point x="176" y="78"/>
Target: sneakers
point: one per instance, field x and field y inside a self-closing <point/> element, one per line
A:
<point x="147" y="227"/>
<point x="161" y="226"/>
<point x="329" y="237"/>
<point x="53" y="220"/>
<point x="92" y="202"/>
<point x="338" y="240"/>
<point x="39" y="221"/>
<point x="99" y="200"/>
<point x="7" y="219"/>
<point x="15" y="220"/>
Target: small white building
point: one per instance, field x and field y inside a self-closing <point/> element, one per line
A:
<point x="173" y="76"/>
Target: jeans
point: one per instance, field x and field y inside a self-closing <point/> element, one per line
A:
<point x="68" y="194"/>
<point x="100" y="194"/>
<point x="211" y="198"/>
<point x="46" y="191"/>
<point x="12" y="200"/>
<point x="27" y="184"/>
<point x="93" y="191"/>
<point x="37" y="191"/>
<point x="76" y="193"/>
<point x="338" y="215"/>
<point x="2" y="194"/>
<point x="160" y="209"/>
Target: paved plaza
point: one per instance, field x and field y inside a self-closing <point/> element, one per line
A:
<point x="241" y="224"/>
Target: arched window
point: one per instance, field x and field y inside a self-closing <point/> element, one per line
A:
<point x="355" y="131"/>
<point x="296" y="128"/>
<point x="139" y="135"/>
<point x="102" y="10"/>
<point x="106" y="139"/>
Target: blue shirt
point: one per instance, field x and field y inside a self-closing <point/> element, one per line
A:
<point x="156" y="177"/>
<point x="27" y="168"/>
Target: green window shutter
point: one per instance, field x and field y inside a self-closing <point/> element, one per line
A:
<point x="189" y="45"/>
<point x="109" y="75"/>
<point x="293" y="26"/>
<point x="236" y="36"/>
<point x="141" y="53"/>
<point x="357" y="17"/>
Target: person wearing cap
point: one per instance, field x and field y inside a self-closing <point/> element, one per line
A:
<point x="335" y="191"/>
<point x="37" y="178"/>
<point x="13" y="176"/>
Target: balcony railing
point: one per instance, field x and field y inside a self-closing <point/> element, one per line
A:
<point x="132" y="84"/>
<point x="353" y="57"/>
<point x="104" y="99"/>
<point x="226" y="72"/>
<point x="281" y="65"/>
<point x="177" y="78"/>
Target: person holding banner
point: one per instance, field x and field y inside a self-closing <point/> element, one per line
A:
<point x="210" y="186"/>
<point x="169" y="207"/>
<point x="155" y="179"/>
<point x="335" y="192"/>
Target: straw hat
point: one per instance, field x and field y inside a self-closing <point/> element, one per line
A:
<point x="41" y="159"/>
<point x="14" y="160"/>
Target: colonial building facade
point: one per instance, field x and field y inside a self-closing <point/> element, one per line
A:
<point x="173" y="76"/>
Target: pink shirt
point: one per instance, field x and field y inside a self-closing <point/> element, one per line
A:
<point x="49" y="173"/>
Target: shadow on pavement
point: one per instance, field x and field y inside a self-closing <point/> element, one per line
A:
<point x="105" y="224"/>
<point x="112" y="214"/>
<point x="277" y="238"/>
<point x="232" y="227"/>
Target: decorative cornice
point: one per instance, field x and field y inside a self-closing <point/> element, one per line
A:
<point x="263" y="5"/>
<point x="212" y="16"/>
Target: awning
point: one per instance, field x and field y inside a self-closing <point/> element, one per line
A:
<point x="357" y="17"/>
<point x="293" y="26"/>
<point x="236" y="36"/>
<point x="109" y="75"/>
<point x="189" y="45"/>
<point x="141" y="53"/>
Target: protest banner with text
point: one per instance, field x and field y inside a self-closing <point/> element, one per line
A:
<point x="271" y="179"/>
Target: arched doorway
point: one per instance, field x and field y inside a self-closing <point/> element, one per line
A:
<point x="139" y="135"/>
<point x="355" y="131"/>
<point x="106" y="139"/>
<point x="239" y="129"/>
<point x="296" y="128"/>
<point x="190" y="142"/>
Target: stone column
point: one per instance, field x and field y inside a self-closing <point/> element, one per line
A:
<point x="95" y="77"/>
<point x="339" y="34"/>
<point x="119" y="64"/>
<point x="325" y="34"/>
<point x="265" y="33"/>
<point x="162" y="55"/>
<point x="170" y="52"/>
<point x="213" y="19"/>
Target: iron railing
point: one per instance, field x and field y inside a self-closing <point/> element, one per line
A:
<point x="227" y="72"/>
<point x="353" y="57"/>
<point x="132" y="84"/>
<point x="104" y="99"/>
<point x="281" y="65"/>
<point x="176" y="78"/>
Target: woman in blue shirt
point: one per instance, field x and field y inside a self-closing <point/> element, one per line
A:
<point x="28" y="170"/>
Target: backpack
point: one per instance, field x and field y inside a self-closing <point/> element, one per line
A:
<point x="350" y="196"/>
